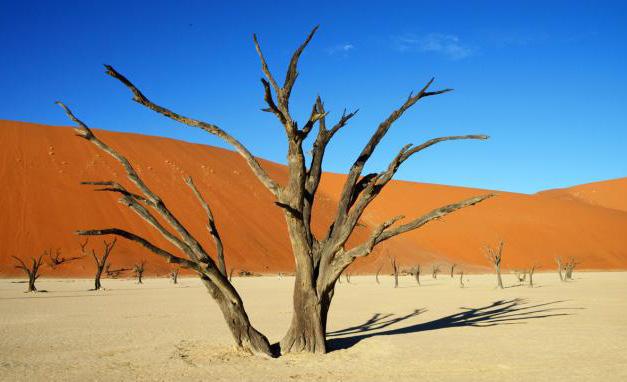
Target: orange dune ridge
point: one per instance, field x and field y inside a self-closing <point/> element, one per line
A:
<point x="42" y="204"/>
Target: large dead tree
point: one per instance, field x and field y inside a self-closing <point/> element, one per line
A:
<point x="320" y="260"/>
<point x="101" y="262"/>
<point x="494" y="255"/>
<point x="31" y="271"/>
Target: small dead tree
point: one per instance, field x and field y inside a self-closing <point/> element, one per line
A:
<point x="101" y="262"/>
<point x="417" y="273"/>
<point x="320" y="260"/>
<point x="453" y="269"/>
<point x="394" y="271"/>
<point x="31" y="271"/>
<point x="114" y="273"/>
<point x="521" y="275"/>
<point x="376" y="277"/>
<point x="174" y="275"/>
<point x="530" y="272"/>
<point x="435" y="269"/>
<point x="139" y="269"/>
<point x="494" y="255"/>
<point x="348" y="277"/>
<point x="55" y="259"/>
<point x="569" y="267"/>
<point x="461" y="279"/>
<point x="560" y="267"/>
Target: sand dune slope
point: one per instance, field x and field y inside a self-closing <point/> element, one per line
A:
<point x="43" y="203"/>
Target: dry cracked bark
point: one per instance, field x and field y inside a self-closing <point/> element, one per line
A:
<point x="320" y="260"/>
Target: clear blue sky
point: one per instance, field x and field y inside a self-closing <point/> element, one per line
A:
<point x="546" y="80"/>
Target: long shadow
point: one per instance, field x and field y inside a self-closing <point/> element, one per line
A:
<point x="502" y="312"/>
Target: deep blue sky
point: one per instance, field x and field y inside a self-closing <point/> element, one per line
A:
<point x="546" y="80"/>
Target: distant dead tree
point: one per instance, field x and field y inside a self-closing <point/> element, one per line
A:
<point x="494" y="255"/>
<point x="320" y="260"/>
<point x="55" y="259"/>
<point x="114" y="273"/>
<point x="453" y="269"/>
<point x="461" y="279"/>
<point x="31" y="271"/>
<point x="348" y="277"/>
<point x="101" y="262"/>
<point x="435" y="269"/>
<point x="139" y="269"/>
<point x="376" y="277"/>
<point x="530" y="272"/>
<point x="521" y="275"/>
<point x="560" y="267"/>
<point x="394" y="271"/>
<point x="569" y="267"/>
<point x="174" y="275"/>
<point x="417" y="273"/>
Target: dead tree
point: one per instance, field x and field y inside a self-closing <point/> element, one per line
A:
<point x="174" y="275"/>
<point x="348" y="277"/>
<point x="521" y="275"/>
<point x="320" y="260"/>
<point x="139" y="269"/>
<point x="461" y="279"/>
<point x="494" y="256"/>
<point x="114" y="273"/>
<point x="453" y="270"/>
<point x="31" y="271"/>
<point x="569" y="267"/>
<point x="376" y="277"/>
<point x="530" y="272"/>
<point x="560" y="267"/>
<point x="101" y="262"/>
<point x="55" y="260"/>
<point x="435" y="270"/>
<point x="417" y="273"/>
<point x="394" y="271"/>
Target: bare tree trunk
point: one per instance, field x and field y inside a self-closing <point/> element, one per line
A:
<point x="307" y="330"/>
<point x="31" y="283"/>
<point x="461" y="279"/>
<point x="376" y="277"/>
<point x="495" y="256"/>
<point x="417" y="274"/>
<point x="559" y="268"/>
<point x="453" y="270"/>
<point x="97" y="285"/>
<point x="531" y="271"/>
<point x="395" y="271"/>
<point x="244" y="334"/>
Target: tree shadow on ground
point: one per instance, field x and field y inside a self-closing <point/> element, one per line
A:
<point x="502" y="312"/>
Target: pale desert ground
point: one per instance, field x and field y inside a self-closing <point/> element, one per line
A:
<point x="574" y="331"/>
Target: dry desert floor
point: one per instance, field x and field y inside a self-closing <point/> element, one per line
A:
<point x="575" y="331"/>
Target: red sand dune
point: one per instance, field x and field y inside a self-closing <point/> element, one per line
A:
<point x="43" y="203"/>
